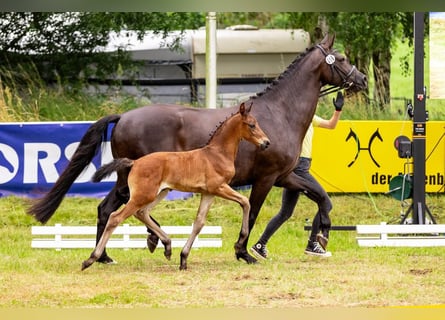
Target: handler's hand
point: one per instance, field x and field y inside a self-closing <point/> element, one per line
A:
<point x="339" y="101"/>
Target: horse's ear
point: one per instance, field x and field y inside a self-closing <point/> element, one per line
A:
<point x="328" y="41"/>
<point x="250" y="107"/>
<point x="242" y="109"/>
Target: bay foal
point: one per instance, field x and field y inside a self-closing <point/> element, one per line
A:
<point x="206" y="170"/>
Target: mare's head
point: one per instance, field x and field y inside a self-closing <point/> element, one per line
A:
<point x="336" y="70"/>
<point x="250" y="129"/>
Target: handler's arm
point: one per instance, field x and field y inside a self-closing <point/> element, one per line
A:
<point x="338" y="105"/>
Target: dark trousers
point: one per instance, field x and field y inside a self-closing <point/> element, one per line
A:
<point x="315" y="192"/>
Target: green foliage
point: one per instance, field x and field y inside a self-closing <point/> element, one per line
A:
<point x="29" y="98"/>
<point x="64" y="46"/>
<point x="365" y="32"/>
<point x="47" y="58"/>
<point x="26" y="96"/>
<point x="367" y="39"/>
<point x="257" y="19"/>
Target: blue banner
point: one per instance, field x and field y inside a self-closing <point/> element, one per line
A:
<point x="33" y="155"/>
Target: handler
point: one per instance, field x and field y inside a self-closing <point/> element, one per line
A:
<point x="317" y="241"/>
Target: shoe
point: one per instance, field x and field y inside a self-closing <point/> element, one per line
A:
<point x="259" y="250"/>
<point x="315" y="249"/>
<point x="322" y="240"/>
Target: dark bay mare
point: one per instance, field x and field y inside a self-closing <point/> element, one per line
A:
<point x="284" y="110"/>
<point x="207" y="170"/>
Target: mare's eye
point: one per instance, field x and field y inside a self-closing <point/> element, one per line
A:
<point x="251" y="126"/>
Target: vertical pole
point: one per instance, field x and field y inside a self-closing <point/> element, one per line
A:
<point x="419" y="122"/>
<point x="211" y="60"/>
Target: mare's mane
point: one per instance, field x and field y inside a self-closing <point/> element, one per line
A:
<point x="289" y="70"/>
<point x="294" y="64"/>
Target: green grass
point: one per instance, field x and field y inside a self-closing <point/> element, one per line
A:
<point x="353" y="277"/>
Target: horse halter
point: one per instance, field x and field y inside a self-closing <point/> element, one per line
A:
<point x="330" y="60"/>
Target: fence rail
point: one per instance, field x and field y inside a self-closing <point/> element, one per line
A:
<point x="402" y="235"/>
<point x="70" y="237"/>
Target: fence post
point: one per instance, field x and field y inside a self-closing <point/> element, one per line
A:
<point x="383" y="235"/>
<point x="58" y="236"/>
<point x="126" y="235"/>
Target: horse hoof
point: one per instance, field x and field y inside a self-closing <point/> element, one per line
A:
<point x="106" y="260"/>
<point x="322" y="240"/>
<point x="86" y="264"/>
<point x="182" y="267"/>
<point x="168" y="254"/>
<point x="246" y="257"/>
<point x="152" y="242"/>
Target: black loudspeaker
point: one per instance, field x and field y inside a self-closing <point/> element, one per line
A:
<point x="403" y="146"/>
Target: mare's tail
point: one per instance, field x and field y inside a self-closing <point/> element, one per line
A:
<point x="44" y="208"/>
<point x="107" y="169"/>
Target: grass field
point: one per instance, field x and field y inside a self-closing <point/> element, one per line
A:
<point x="353" y="277"/>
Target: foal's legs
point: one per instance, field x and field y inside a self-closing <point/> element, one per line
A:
<point x="144" y="216"/>
<point x="204" y="206"/>
<point x="226" y="192"/>
<point x="112" y="202"/>
<point x="113" y="221"/>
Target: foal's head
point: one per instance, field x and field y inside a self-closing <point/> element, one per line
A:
<point x="250" y="129"/>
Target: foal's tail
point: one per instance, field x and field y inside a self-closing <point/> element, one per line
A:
<point x="116" y="165"/>
<point x="44" y="208"/>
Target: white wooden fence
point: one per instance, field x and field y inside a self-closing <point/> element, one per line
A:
<point x="401" y="235"/>
<point x="69" y="237"/>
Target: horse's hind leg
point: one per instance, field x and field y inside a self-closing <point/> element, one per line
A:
<point x="204" y="206"/>
<point x="109" y="204"/>
<point x="152" y="238"/>
<point x="113" y="221"/>
<point x="144" y="216"/>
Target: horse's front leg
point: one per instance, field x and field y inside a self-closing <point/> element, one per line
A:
<point x="260" y="189"/>
<point x="244" y="233"/>
<point x="204" y="206"/>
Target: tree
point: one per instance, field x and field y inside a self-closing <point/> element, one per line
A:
<point x="64" y="45"/>
<point x="367" y="38"/>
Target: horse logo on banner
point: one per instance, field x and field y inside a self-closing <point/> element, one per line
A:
<point x="353" y="135"/>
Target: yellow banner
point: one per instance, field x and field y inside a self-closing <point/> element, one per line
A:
<point x="360" y="156"/>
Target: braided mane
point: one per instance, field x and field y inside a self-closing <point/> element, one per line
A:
<point x="270" y="87"/>
<point x="285" y="73"/>
<point x="218" y="127"/>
